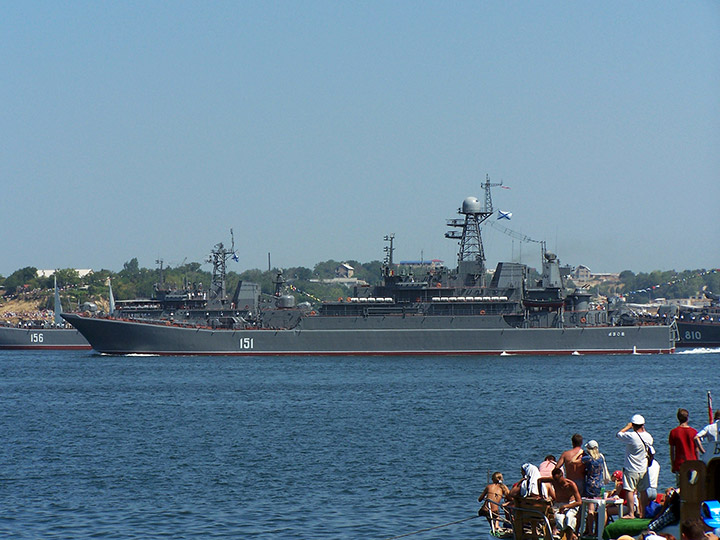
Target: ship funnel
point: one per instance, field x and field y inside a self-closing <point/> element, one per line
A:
<point x="551" y="277"/>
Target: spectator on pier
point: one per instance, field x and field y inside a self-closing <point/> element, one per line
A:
<point x="695" y="529"/>
<point x="492" y="496"/>
<point x="682" y="443"/>
<point x="653" y="478"/>
<point x="546" y="469"/>
<point x="547" y="466"/>
<point x="528" y="485"/>
<point x="596" y="474"/>
<point x="710" y="435"/>
<point x="566" y="502"/>
<point x="570" y="459"/>
<point x="596" y="471"/>
<point x="638" y="445"/>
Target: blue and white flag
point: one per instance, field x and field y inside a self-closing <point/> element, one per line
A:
<point x="235" y="257"/>
<point x="504" y="215"/>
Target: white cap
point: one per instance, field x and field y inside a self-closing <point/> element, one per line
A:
<point x="638" y="420"/>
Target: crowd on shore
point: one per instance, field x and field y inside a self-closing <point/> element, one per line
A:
<point x="28" y="319"/>
<point x="582" y="472"/>
<point x="29" y="315"/>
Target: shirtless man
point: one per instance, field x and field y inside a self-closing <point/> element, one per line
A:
<point x="494" y="493"/>
<point x="574" y="467"/>
<point x="566" y="502"/>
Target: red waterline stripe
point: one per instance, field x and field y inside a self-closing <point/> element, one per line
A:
<point x="46" y="347"/>
<point x="402" y="353"/>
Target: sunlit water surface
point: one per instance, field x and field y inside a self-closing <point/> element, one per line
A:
<point x="205" y="447"/>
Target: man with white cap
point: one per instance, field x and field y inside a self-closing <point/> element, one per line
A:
<point x="638" y="447"/>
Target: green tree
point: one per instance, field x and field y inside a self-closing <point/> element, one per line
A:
<point x="299" y="273"/>
<point x="326" y="269"/>
<point x="66" y="277"/>
<point x="131" y="269"/>
<point x="23" y="276"/>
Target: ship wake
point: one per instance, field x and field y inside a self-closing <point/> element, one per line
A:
<point x="700" y="350"/>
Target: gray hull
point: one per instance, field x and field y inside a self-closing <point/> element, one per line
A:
<point x="369" y="336"/>
<point x="42" y="338"/>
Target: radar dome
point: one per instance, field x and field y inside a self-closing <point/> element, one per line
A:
<point x="471" y="205"/>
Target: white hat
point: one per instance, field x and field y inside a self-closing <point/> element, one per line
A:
<point x="638" y="420"/>
<point x="591" y="444"/>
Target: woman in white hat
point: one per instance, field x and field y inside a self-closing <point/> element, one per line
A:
<point x="596" y="473"/>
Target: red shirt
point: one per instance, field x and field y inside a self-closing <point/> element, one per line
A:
<point x="681" y="440"/>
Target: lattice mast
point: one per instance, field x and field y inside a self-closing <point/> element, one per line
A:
<point x="218" y="257"/>
<point x="471" y="254"/>
<point x="389" y="251"/>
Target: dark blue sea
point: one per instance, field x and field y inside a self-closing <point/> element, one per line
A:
<point x="204" y="447"/>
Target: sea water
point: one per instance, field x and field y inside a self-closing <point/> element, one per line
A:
<point x="302" y="447"/>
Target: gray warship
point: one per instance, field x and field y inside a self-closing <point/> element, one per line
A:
<point x="37" y="335"/>
<point x="464" y="311"/>
<point x="698" y="327"/>
<point x="43" y="335"/>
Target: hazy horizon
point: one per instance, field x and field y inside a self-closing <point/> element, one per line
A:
<point x="313" y="129"/>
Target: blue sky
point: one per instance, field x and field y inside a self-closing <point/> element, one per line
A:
<point x="149" y="129"/>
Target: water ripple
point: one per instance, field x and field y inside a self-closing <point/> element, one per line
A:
<point x="156" y="447"/>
